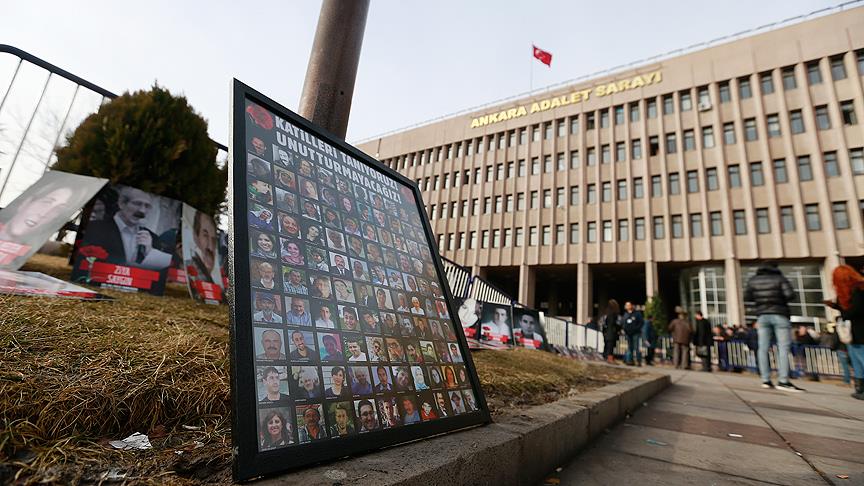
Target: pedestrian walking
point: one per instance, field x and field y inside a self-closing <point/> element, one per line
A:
<point x="649" y="335"/>
<point x="849" y="286"/>
<point x="703" y="340"/>
<point x="681" y="333"/>
<point x="632" y="322"/>
<point x="610" y="328"/>
<point x="771" y="293"/>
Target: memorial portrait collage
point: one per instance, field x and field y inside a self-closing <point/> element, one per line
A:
<point x="351" y="330"/>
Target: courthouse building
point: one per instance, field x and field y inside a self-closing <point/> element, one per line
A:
<point x="674" y="178"/>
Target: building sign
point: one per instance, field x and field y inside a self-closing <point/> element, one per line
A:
<point x="577" y="96"/>
<point x="343" y="339"/>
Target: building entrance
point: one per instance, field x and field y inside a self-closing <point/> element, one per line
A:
<point x="622" y="282"/>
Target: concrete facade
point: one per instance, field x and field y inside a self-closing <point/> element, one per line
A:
<point x="692" y="169"/>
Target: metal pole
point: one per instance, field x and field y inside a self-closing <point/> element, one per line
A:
<point x="60" y="130"/>
<point x="24" y="136"/>
<point x="15" y="75"/>
<point x="332" y="71"/>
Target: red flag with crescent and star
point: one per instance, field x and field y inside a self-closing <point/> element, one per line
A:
<point x="543" y="56"/>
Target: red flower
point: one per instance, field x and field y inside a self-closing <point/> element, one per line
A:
<point x="93" y="251"/>
<point x="260" y="116"/>
<point x="191" y="271"/>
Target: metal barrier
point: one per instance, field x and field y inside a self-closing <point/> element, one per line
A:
<point x="458" y="278"/>
<point x="486" y="292"/>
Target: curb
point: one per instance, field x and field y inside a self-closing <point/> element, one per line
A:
<point x="521" y="449"/>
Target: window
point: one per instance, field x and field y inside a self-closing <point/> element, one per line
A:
<point x="832" y="169"/>
<point x="496" y="238"/>
<point x="484" y="239"/>
<point x="475" y="207"/>
<point x="750" y="130"/>
<point x="574" y="159"/>
<point x="638" y="188"/>
<point x="520" y="237"/>
<point x="707" y="137"/>
<point x="511" y="138"/>
<point x="766" y="83"/>
<point x="847" y="112"/>
<point x="671" y="143"/>
<point x="508" y="236"/>
<point x="521" y="167"/>
<point x="605" y="155"/>
<point x="656" y="186"/>
<point x="685" y="101"/>
<point x="574" y="125"/>
<point x="659" y="230"/>
<point x="711" y="180"/>
<point x="463" y="209"/>
<point x="535" y="165"/>
<point x="859" y="58"/>
<point x="502" y="141"/>
<point x="856" y="160"/>
<point x="620" y="151"/>
<point x="788" y="75"/>
<point x="606" y="194"/>
<point x="562" y="128"/>
<point x="534" y="199"/>
<point x="763" y="225"/>
<point x="547" y="198"/>
<point x="639" y="229"/>
<point x="696" y="225"/>
<point x="841" y="217"/>
<point x="472" y="240"/>
<point x="592" y="156"/>
<point x="433" y="212"/>
<point x="674" y="184"/>
<point x="559" y="197"/>
<point x="838" y="70"/>
<point x="716" y="223"/>
<point x="689" y="140"/>
<point x="677" y="226"/>
<point x="499" y="206"/>
<point x="490" y="171"/>
<point x="607" y="230"/>
<point x="511" y="170"/>
<point x="734" y="175"/>
<point x="436" y="185"/>
<point x="535" y="133"/>
<point x="520" y="201"/>
<point x="477" y="174"/>
<point x="523" y="136"/>
<point x="729" y="133"/>
<point x="796" y="122"/>
<point x="805" y="172"/>
<point x="623" y="230"/>
<point x="780" y="174"/>
<point x="619" y="115"/>
<point x="560" y="164"/>
<point x="692" y="181"/>
<point x="744" y="90"/>
<point x="487" y="205"/>
<point x="773" y="122"/>
<point x="653" y="145"/>
<point x="636" y="149"/>
<point x="634" y="112"/>
<point x="499" y="172"/>
<point x="592" y="232"/>
<point x="547" y="131"/>
<point x="559" y="234"/>
<point x="547" y="164"/>
<point x="591" y="196"/>
<point x="757" y="177"/>
<point x="787" y="219"/>
<point x="668" y="105"/>
<point x="739" y="222"/>
<point x="532" y="236"/>
<point x="574" y="196"/>
<point x="725" y="95"/>
<point x="813" y="74"/>
<point x="574" y="233"/>
<point x="811" y="216"/>
<point x="547" y="236"/>
<point x="651" y="108"/>
<point x="604" y="118"/>
<point x="589" y="121"/>
<point x="703" y="96"/>
<point x="823" y="121"/>
<point x="622" y="190"/>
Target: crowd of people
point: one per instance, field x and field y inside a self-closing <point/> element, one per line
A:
<point x="770" y="294"/>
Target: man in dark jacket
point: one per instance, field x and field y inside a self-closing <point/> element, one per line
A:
<point x="703" y="340"/>
<point x="632" y="322"/>
<point x="770" y="293"/>
<point x="681" y="333"/>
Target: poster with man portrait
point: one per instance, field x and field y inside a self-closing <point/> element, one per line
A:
<point x="129" y="242"/>
<point x="334" y="268"/>
<point x="528" y="331"/>
<point x="201" y="261"/>
<point x="40" y="211"/>
<point x="496" y="326"/>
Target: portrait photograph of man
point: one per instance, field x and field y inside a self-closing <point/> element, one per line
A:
<point x="329" y="347"/>
<point x="273" y="384"/>
<point x="527" y="330"/>
<point x="305" y="383"/>
<point x="323" y="312"/>
<point x="367" y="415"/>
<point x="298" y="312"/>
<point x="269" y="344"/>
<point x="310" y="425"/>
<point x="263" y="275"/>
<point x="388" y="411"/>
<point x="302" y="346"/>
<point x="200" y="252"/>
<point x="267" y="308"/>
<point x="495" y="325"/>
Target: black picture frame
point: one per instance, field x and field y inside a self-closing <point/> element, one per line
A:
<point x="249" y="462"/>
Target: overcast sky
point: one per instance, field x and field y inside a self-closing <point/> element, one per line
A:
<point x="420" y="60"/>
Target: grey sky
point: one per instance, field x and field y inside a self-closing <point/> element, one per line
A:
<point x="420" y="60"/>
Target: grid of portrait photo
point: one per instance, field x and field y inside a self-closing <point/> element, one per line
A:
<point x="351" y="330"/>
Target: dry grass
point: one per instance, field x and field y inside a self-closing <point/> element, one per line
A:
<point x="74" y="375"/>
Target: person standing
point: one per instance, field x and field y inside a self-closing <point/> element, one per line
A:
<point x="681" y="333"/>
<point x="771" y="293"/>
<point x="849" y="285"/>
<point x="610" y="328"/>
<point x="703" y="340"/>
<point x="649" y="335"/>
<point x="632" y="322"/>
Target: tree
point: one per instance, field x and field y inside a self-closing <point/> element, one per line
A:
<point x="655" y="309"/>
<point x="151" y="140"/>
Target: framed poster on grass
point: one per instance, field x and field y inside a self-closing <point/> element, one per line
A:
<point x="342" y="339"/>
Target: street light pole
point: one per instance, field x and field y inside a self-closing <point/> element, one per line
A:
<point x="329" y="85"/>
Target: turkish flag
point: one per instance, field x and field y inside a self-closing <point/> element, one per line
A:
<point x="543" y="56"/>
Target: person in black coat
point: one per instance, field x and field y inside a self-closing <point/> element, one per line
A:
<point x="703" y="340"/>
<point x="610" y="328"/>
<point x="849" y="285"/>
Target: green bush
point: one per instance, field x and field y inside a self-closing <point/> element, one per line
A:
<point x="655" y="309"/>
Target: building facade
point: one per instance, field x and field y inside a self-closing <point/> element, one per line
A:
<point x="674" y="178"/>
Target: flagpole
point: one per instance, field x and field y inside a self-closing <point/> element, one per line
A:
<point x="531" y="70"/>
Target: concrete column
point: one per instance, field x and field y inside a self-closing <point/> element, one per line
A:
<point x="527" y="285"/>
<point x="478" y="271"/>
<point x="651" y="279"/>
<point x="329" y="85"/>
<point x="734" y="292"/>
<point x="584" y="299"/>
<point x="831" y="262"/>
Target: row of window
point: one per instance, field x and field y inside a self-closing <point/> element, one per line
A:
<point x="513" y="169"/>
<point x="605" y="231"/>
<point x="603" y="118"/>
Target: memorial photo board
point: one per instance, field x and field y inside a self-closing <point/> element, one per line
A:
<point x="528" y="329"/>
<point x="469" y="312"/>
<point x="354" y="345"/>
<point x="496" y="326"/>
<point x="129" y="241"/>
<point x="201" y="261"/>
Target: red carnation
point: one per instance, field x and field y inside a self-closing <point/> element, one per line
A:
<point x="191" y="271"/>
<point x="93" y="251"/>
<point x="260" y="116"/>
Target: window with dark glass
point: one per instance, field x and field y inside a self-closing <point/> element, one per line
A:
<point x="780" y="175"/>
<point x="668" y="105"/>
<point x="763" y="224"/>
<point x="859" y="59"/>
<point x="841" y="217"/>
<point x="856" y="160"/>
<point x="805" y="171"/>
<point x="659" y="230"/>
<point x="750" y="133"/>
<point x="685" y="101"/>
<point x="622" y="190"/>
<point x="674" y="184"/>
<point x="811" y="216"/>
<point x="620" y="151"/>
<point x="589" y="121"/>
<point x="788" y="75"/>
<point x="739" y="222"/>
<point x="605" y="154"/>
<point x="838" y="69"/>
<point x="787" y="219"/>
<point x="623" y="230"/>
<point x="773" y="122"/>
<point x="725" y="94"/>
<point x="607" y="230"/>
<point x="711" y="180"/>
<point x="591" y="194"/>
<point x="766" y="83"/>
<point x="814" y="76"/>
<point x="592" y="232"/>
<point x="692" y="181"/>
<point x="634" y="112"/>
<point x="696" y="225"/>
<point x="716" y="223"/>
<point x="619" y="115"/>
<point x="847" y="113"/>
<point x="606" y="191"/>
<point x="729" y="133"/>
<point x="671" y="143"/>
<point x="636" y="149"/>
<point x="677" y="223"/>
<point x="651" y="108"/>
<point x="656" y="186"/>
<point x="734" y="175"/>
<point x="689" y="140"/>
<point x="638" y="188"/>
<point x="832" y="168"/>
<point x="744" y="90"/>
<point x="823" y="121"/>
<point x="574" y="233"/>
<point x="639" y="229"/>
<point x="757" y="177"/>
<point x="796" y="122"/>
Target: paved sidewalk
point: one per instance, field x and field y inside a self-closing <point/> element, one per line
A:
<point x="722" y="428"/>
